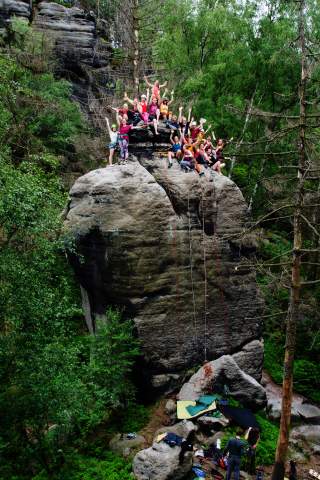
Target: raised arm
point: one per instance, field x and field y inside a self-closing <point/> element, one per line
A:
<point x="171" y="139"/>
<point x="118" y="119"/>
<point x="171" y="99"/>
<point x="163" y="85"/>
<point x="206" y="131"/>
<point x="164" y="94"/>
<point x="147" y="82"/>
<point x="189" y="114"/>
<point x="180" y="114"/>
<point x="108" y="125"/>
<point x="148" y="95"/>
<point x="127" y="99"/>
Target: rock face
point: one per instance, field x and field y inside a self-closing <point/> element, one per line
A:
<point x="10" y="8"/>
<point x="72" y="29"/>
<point x="83" y="49"/>
<point x="161" y="243"/>
<point x="224" y="371"/>
<point x="161" y="462"/>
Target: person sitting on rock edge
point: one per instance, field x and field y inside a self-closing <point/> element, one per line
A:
<point x="188" y="161"/>
<point x="164" y="107"/>
<point x="113" y="134"/>
<point x="154" y="114"/>
<point x="176" y="149"/>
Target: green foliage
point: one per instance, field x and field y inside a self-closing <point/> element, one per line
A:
<point x="306" y="372"/>
<point x="57" y="384"/>
<point x="268" y="440"/>
<point x="273" y="359"/>
<point x="80" y="467"/>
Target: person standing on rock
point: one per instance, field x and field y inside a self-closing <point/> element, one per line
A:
<point x="124" y="130"/>
<point x="234" y="448"/>
<point x="113" y="134"/>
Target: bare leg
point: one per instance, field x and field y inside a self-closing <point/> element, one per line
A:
<point x="111" y="153"/>
<point x="155" y="124"/>
<point x="170" y="159"/>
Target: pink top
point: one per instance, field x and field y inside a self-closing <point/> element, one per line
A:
<point x="156" y="91"/>
<point x="153" y="109"/>
<point x="124" y="130"/>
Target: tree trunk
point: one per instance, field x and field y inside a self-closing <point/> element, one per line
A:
<point x="294" y="302"/>
<point x="136" y="47"/>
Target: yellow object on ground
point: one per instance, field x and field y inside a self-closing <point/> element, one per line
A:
<point x="182" y="412"/>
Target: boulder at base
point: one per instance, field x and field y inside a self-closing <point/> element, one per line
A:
<point x="161" y="462"/>
<point x="306" y="439"/>
<point x="224" y="371"/>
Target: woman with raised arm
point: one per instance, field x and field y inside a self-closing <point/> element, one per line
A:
<point x="113" y="134"/>
<point x="156" y="87"/>
<point x="164" y="107"/>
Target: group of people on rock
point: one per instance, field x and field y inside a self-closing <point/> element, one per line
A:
<point x="191" y="144"/>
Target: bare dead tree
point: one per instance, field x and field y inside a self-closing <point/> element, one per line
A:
<point x="295" y="288"/>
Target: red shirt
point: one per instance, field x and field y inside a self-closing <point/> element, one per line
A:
<point x="124" y="130"/>
<point x="195" y="132"/>
<point x="144" y="107"/>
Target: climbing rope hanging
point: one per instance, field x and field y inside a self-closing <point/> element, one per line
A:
<point x="217" y="257"/>
<point x="205" y="278"/>
<point x="195" y="326"/>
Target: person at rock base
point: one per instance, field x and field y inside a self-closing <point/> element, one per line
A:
<point x="235" y="448"/>
<point x="260" y="473"/>
<point x="252" y="436"/>
<point x="156" y="88"/>
<point x="113" y="134"/>
<point x="176" y="149"/>
<point x="124" y="130"/>
<point x="293" y="470"/>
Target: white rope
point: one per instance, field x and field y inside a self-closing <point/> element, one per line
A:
<point x="191" y="275"/>
<point x="205" y="281"/>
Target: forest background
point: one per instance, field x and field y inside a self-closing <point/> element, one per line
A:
<point x="232" y="61"/>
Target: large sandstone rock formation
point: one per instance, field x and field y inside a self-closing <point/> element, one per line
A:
<point x="163" y="244"/>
